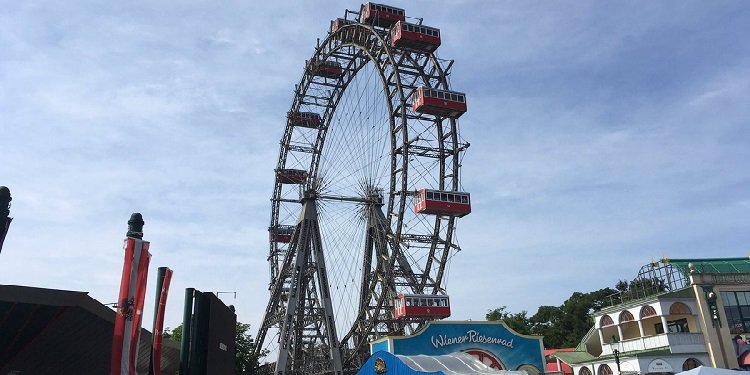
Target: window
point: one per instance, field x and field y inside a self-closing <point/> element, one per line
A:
<point x="647" y="311"/>
<point x="606" y="321"/>
<point x="680" y="325"/>
<point x="429" y="195"/>
<point x="690" y="364"/>
<point x="673" y="326"/>
<point x="679" y="308"/>
<point x="737" y="310"/>
<point x="604" y="370"/>
<point x="626" y="316"/>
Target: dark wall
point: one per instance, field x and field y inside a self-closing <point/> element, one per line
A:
<point x="212" y="343"/>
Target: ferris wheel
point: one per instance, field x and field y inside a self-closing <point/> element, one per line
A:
<point x="367" y="193"/>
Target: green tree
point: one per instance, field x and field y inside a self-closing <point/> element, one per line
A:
<point x="519" y="322"/>
<point x="562" y="326"/>
<point x="175" y="334"/>
<point x="246" y="358"/>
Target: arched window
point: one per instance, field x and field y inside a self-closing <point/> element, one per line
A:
<point x="626" y="316"/>
<point x="584" y="371"/>
<point x="604" y="370"/>
<point x="606" y="321"/>
<point x="647" y="311"/>
<point x="690" y="364"/>
<point x="679" y="308"/>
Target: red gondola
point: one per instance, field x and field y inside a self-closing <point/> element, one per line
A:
<point x="327" y="69"/>
<point x="281" y="233"/>
<point x="439" y="102"/>
<point x="381" y="15"/>
<point x="304" y="119"/>
<point x="436" y="202"/>
<point x="339" y="23"/>
<point x="291" y="176"/>
<point x="422" y="306"/>
<point x="416" y="37"/>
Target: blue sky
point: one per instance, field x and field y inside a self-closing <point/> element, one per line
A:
<point x="603" y="135"/>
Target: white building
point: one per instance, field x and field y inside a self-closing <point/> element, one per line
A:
<point x="683" y="313"/>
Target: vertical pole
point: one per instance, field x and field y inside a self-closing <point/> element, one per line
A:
<point x="159" y="283"/>
<point x="5" y="199"/>
<point x="187" y="318"/>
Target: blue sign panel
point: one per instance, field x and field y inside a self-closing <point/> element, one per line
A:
<point x="491" y="342"/>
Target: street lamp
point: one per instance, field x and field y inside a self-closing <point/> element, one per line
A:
<point x="617" y="360"/>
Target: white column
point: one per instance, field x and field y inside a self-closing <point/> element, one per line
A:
<point x="640" y="327"/>
<point x="601" y="337"/>
<point x="664" y="322"/>
<point x="619" y="332"/>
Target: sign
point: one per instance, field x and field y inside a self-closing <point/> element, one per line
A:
<point x="491" y="342"/>
<point x="659" y="365"/>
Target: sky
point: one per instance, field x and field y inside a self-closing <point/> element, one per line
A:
<point x="604" y="135"/>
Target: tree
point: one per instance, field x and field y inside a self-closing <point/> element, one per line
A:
<point x="561" y="326"/>
<point x="519" y="322"/>
<point x="245" y="357"/>
<point x="174" y="335"/>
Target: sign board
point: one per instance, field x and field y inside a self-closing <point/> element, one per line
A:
<point x="659" y="365"/>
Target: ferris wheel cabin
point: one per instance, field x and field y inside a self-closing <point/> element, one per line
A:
<point x="326" y="69"/>
<point x="380" y="15"/>
<point x="304" y="119"/>
<point x="339" y="23"/>
<point x="421" y="306"/>
<point x="291" y="176"/>
<point x="281" y="233"/>
<point x="436" y="102"/>
<point x="415" y="37"/>
<point x="436" y="202"/>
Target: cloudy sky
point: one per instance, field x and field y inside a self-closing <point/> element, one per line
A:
<point x="603" y="135"/>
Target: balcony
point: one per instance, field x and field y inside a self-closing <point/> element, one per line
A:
<point x="677" y="342"/>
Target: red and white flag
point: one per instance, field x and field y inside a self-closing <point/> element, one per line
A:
<point x="130" y="307"/>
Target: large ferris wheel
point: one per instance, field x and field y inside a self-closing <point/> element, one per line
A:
<point x="367" y="194"/>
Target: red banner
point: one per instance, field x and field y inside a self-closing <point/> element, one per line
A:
<point x="130" y="307"/>
<point x="159" y="325"/>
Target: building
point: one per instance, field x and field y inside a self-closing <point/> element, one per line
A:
<point x="49" y="331"/>
<point x="554" y="365"/>
<point x="678" y="314"/>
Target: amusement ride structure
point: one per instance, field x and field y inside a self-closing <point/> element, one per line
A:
<point x="367" y="194"/>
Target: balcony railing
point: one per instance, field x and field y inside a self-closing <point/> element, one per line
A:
<point x="677" y="342"/>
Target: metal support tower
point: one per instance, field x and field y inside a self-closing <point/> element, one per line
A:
<point x="308" y="340"/>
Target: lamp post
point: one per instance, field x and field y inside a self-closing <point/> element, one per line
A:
<point x="617" y="360"/>
<point x="616" y="353"/>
